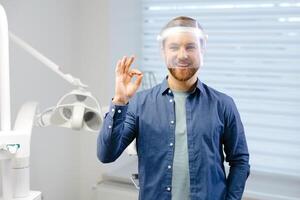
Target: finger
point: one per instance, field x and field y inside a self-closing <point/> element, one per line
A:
<point x="135" y="72"/>
<point x="138" y="80"/>
<point x="129" y="62"/>
<point x="123" y="63"/>
<point x="118" y="67"/>
<point x="131" y="73"/>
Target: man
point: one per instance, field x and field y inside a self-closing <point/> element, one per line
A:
<point x="181" y="125"/>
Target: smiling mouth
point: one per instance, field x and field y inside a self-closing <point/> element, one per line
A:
<point x="183" y="64"/>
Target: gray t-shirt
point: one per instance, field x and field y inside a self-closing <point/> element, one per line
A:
<point x="181" y="175"/>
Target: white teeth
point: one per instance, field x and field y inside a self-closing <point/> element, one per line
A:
<point x="182" y="65"/>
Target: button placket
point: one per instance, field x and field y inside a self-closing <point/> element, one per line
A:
<point x="171" y="139"/>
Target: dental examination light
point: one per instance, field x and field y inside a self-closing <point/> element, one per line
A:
<point x="79" y="101"/>
<point x="77" y="110"/>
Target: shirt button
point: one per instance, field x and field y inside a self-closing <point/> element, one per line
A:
<point x="171" y="100"/>
<point x="172" y="122"/>
<point x="171" y="144"/>
<point x="109" y="126"/>
<point x="169" y="166"/>
<point x="119" y="111"/>
<point x="113" y="110"/>
<point x="168" y="189"/>
<point x="169" y="91"/>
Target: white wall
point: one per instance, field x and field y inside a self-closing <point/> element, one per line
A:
<point x="85" y="38"/>
<point x="109" y="31"/>
<point x="92" y="68"/>
<point x="48" y="26"/>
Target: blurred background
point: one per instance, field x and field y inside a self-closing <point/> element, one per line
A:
<point x="253" y="55"/>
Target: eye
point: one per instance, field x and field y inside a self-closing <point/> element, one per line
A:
<point x="191" y="47"/>
<point x="173" y="48"/>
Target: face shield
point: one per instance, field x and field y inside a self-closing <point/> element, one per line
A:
<point x="183" y="47"/>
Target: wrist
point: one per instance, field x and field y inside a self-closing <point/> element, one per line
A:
<point x="120" y="100"/>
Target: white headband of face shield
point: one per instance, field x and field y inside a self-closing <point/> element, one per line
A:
<point x="180" y="29"/>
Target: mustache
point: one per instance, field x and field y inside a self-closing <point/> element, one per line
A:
<point x="183" y="62"/>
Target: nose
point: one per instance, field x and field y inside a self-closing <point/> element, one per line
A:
<point x="182" y="54"/>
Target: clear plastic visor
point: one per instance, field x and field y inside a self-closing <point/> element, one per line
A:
<point x="183" y="47"/>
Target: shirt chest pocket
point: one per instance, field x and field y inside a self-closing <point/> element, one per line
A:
<point x="209" y="133"/>
<point x="153" y="134"/>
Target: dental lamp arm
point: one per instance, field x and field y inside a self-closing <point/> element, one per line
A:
<point x="54" y="67"/>
<point x="46" y="118"/>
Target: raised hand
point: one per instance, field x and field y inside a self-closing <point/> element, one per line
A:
<point x="125" y="88"/>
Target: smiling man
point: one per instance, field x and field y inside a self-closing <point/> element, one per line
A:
<point x="184" y="128"/>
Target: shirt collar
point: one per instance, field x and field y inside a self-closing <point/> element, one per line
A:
<point x="164" y="86"/>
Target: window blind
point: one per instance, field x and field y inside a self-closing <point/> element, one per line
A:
<point x="253" y="55"/>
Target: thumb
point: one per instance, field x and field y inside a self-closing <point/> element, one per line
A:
<point x="138" y="80"/>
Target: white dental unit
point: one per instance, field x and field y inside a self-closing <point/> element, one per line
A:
<point x="78" y="110"/>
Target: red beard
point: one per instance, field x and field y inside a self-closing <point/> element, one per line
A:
<point x="183" y="74"/>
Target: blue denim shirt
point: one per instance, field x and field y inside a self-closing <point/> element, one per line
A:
<point x="213" y="124"/>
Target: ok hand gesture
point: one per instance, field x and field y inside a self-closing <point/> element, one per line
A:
<point x="125" y="88"/>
